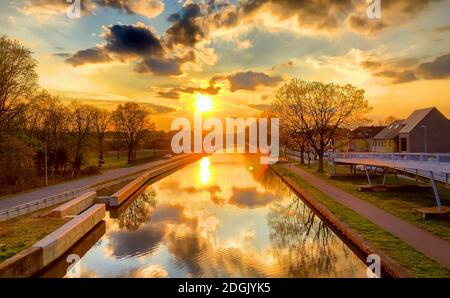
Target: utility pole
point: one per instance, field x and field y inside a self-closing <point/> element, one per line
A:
<point x="45" y="153"/>
<point x="425" y="137"/>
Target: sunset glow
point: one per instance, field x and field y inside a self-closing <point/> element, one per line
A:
<point x="203" y="103"/>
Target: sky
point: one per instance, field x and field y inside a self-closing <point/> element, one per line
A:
<point x="165" y="54"/>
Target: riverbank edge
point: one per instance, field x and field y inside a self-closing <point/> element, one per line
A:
<point x="364" y="247"/>
<point x="30" y="261"/>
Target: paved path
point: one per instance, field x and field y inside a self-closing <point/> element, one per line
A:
<point x="43" y="192"/>
<point x="431" y="245"/>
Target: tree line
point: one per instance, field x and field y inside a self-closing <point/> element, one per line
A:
<point x="39" y="133"/>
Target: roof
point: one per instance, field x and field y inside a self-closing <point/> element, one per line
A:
<point x="364" y="132"/>
<point x="414" y="119"/>
<point x="391" y="131"/>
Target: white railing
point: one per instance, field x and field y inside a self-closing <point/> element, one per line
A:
<point x="436" y="162"/>
<point x="412" y="157"/>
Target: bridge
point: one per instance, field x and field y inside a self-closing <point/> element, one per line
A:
<point x="435" y="167"/>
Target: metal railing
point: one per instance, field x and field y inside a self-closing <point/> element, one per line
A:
<point x="40" y="204"/>
<point x="435" y="158"/>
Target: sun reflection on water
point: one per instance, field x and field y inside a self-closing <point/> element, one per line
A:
<point x="205" y="173"/>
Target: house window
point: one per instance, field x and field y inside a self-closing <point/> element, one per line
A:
<point x="403" y="146"/>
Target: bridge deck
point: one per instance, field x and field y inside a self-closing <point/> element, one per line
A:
<point x="420" y="163"/>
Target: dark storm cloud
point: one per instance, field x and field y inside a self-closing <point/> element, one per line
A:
<point x="185" y="29"/>
<point x="132" y="40"/>
<point x="410" y="69"/>
<point x="175" y="93"/>
<point x="164" y="66"/>
<point x="439" y="68"/>
<point x="398" y="77"/>
<point x="248" y="80"/>
<point x="89" y="56"/>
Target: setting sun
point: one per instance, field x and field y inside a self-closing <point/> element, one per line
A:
<point x="203" y="103"/>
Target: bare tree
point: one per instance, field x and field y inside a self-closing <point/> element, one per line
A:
<point x="130" y="120"/>
<point x="387" y="121"/>
<point x="102" y="122"/>
<point x="316" y="111"/>
<point x="81" y="120"/>
<point x="18" y="79"/>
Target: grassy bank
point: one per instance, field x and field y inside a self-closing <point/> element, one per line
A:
<point x="415" y="262"/>
<point x="400" y="204"/>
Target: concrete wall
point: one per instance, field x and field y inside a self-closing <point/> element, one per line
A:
<point x="24" y="264"/>
<point x="55" y="244"/>
<point x="75" y="206"/>
<point x="124" y="193"/>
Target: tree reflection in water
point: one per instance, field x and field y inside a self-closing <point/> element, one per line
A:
<point x="302" y="244"/>
<point x="139" y="211"/>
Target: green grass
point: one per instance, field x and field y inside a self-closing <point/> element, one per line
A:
<point x="112" y="162"/>
<point x="400" y="204"/>
<point x="415" y="262"/>
<point x="22" y="232"/>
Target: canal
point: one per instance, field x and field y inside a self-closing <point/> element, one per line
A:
<point x="222" y="216"/>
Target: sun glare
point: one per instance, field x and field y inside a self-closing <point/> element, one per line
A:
<point x="203" y="103"/>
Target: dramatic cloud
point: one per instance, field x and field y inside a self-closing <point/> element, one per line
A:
<point x="90" y="56"/>
<point x="186" y="29"/>
<point x="248" y="80"/>
<point x="163" y="66"/>
<point x="48" y="8"/>
<point x="175" y="93"/>
<point x="321" y="15"/>
<point x="408" y="70"/>
<point x="132" y="40"/>
<point x="439" y="68"/>
<point x="136" y="42"/>
<point x="394" y="13"/>
<point x="398" y="77"/>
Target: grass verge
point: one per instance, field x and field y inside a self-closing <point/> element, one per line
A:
<point x="414" y="261"/>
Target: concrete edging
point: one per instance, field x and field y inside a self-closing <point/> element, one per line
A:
<point x="125" y="192"/>
<point x="75" y="206"/>
<point x="388" y="265"/>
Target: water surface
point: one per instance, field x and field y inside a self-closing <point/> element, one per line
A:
<point x="223" y="216"/>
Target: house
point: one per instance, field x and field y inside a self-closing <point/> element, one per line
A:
<point x="360" y="139"/>
<point x="387" y="139"/>
<point x="425" y="130"/>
